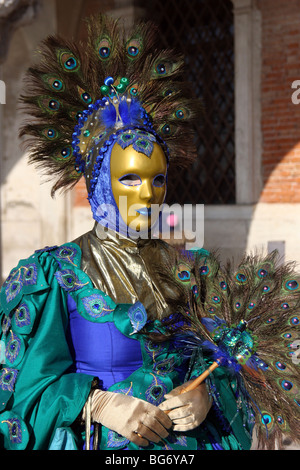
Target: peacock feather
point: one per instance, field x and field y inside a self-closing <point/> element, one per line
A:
<point x="79" y="95"/>
<point x="246" y="318"/>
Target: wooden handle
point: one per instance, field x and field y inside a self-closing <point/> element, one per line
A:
<point x="201" y="378"/>
<point x="194" y="384"/>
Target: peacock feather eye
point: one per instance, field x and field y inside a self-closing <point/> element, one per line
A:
<point x="184" y="275"/>
<point x="166" y="129"/>
<point x="294" y="321"/>
<point x="286" y="385"/>
<point x="164" y="67"/>
<point x="50" y="133"/>
<point x="287" y="335"/>
<point x="182" y="113"/>
<point x="179" y="114"/>
<point x="262" y="273"/>
<point x="281" y="422"/>
<point x="57" y="85"/>
<point x="280" y="365"/>
<point x="133" y="48"/>
<point x="66" y="152"/>
<point x="104" y="49"/>
<point x="195" y="290"/>
<point x="241" y="278"/>
<point x="54" y="105"/>
<point x="133" y="91"/>
<point x="132" y="51"/>
<point x="291" y="285"/>
<point x="204" y="270"/>
<point x="267" y="420"/>
<point x="86" y="97"/>
<point x="69" y="62"/>
<point x="168" y="92"/>
<point x="104" y="52"/>
<point x="54" y="83"/>
<point x="161" y="69"/>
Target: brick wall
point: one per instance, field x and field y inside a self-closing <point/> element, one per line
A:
<point x="280" y="117"/>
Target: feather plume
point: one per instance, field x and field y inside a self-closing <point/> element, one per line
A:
<point x="247" y="319"/>
<point x="69" y="79"/>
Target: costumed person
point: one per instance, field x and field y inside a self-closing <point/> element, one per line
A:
<point x="90" y="356"/>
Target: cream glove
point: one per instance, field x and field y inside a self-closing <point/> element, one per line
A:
<point x="135" y="419"/>
<point x="187" y="410"/>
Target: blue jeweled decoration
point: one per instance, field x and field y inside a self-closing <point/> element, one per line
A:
<point x="30" y="275"/>
<point x="156" y="391"/>
<point x="153" y="349"/>
<point x="234" y="343"/>
<point x="22" y="315"/>
<point x="164" y="367"/>
<point x="141" y="141"/>
<point x="23" y="276"/>
<point x="68" y="280"/>
<point x="15" y="430"/>
<point x="13" y="286"/>
<point x="138" y="316"/>
<point x="96" y="305"/>
<point x="66" y="253"/>
<point x="13" y="347"/>
<point x="112" y="113"/>
<point x="8" y="379"/>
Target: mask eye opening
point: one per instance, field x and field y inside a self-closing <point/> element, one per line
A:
<point x="130" y="179"/>
<point x="159" y="181"/>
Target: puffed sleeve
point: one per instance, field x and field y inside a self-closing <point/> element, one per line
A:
<point x="38" y="392"/>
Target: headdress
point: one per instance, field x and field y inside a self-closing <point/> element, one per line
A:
<point x="115" y="87"/>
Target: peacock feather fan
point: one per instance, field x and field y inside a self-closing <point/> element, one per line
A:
<point x="245" y="318"/>
<point x="248" y="318"/>
<point x="124" y="80"/>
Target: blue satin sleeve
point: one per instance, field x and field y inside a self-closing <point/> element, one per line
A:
<point x="100" y="349"/>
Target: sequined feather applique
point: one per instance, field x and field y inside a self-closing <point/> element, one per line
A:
<point x="138" y="316"/>
<point x="68" y="280"/>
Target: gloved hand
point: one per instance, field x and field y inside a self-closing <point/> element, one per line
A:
<point x="135" y="419"/>
<point x="187" y="410"/>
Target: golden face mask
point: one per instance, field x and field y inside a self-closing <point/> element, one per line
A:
<point x="138" y="185"/>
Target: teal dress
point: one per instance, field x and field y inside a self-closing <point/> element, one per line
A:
<point x="50" y="312"/>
